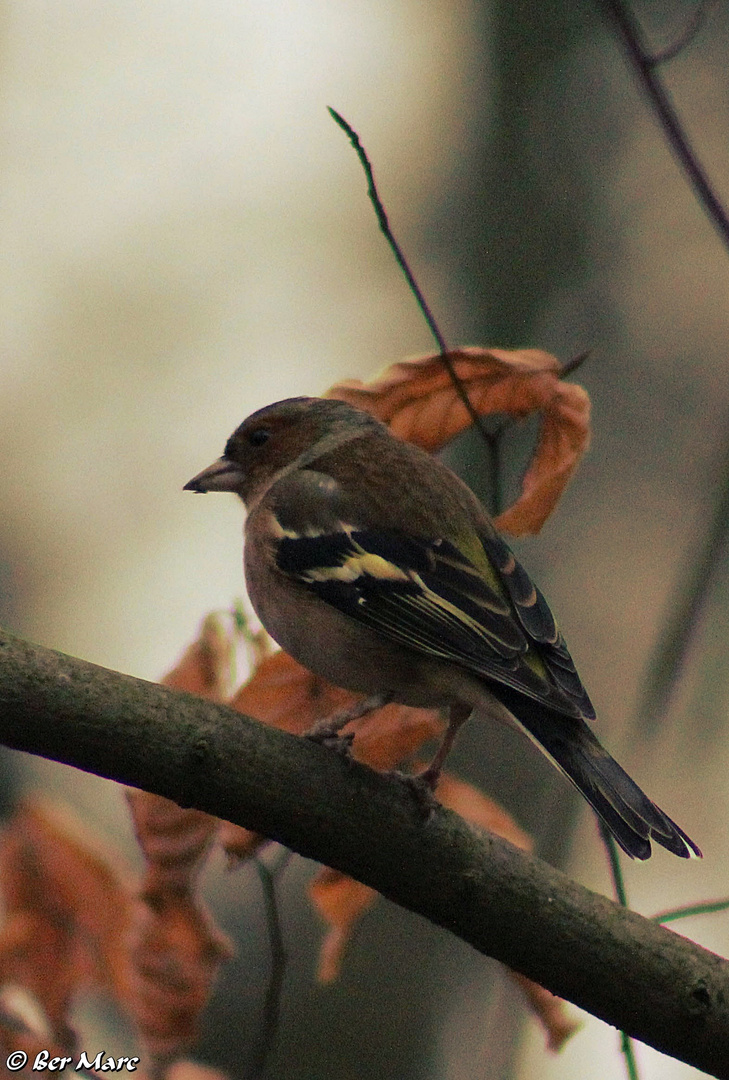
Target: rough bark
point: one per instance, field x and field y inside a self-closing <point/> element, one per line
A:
<point x="630" y="972"/>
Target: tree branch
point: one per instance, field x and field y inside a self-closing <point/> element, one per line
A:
<point x="638" y="976"/>
<point x="645" y="66"/>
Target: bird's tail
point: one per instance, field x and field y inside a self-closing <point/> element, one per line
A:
<point x="627" y="812"/>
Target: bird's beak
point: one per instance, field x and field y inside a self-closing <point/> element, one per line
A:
<point x="222" y="475"/>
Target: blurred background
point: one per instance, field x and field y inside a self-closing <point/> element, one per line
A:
<point x="185" y="236"/>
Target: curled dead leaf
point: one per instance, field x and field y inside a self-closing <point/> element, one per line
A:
<point x="174" y="840"/>
<point x="207" y="665"/>
<point x="551" y="1011"/>
<point x="286" y="695"/>
<point x="418" y="400"/>
<point x="480" y="810"/>
<point x="341" y="902"/>
<point x="66" y="910"/>
<point x="174" y="948"/>
<point x="175" y="953"/>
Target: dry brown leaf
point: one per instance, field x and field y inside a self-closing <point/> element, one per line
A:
<point x="286" y="695"/>
<point x="71" y="921"/>
<point x="480" y="810"/>
<point x="175" y="952"/>
<point x="390" y="735"/>
<point x="38" y="949"/>
<point x="175" y="949"/>
<point x="340" y="901"/>
<point x="551" y="1011"/>
<point x="174" y="841"/>
<point x="239" y="843"/>
<point x="207" y="665"/>
<point x="190" y="1070"/>
<point x="418" y="401"/>
<point x="66" y="909"/>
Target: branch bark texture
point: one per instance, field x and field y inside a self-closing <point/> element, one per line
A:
<point x="630" y="972"/>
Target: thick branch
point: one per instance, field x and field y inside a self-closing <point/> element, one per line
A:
<point x="632" y="973"/>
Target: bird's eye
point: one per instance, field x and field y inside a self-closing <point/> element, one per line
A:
<point x="259" y="436"/>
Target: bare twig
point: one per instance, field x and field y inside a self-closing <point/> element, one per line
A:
<point x="686" y="605"/>
<point x="686" y="37"/>
<point x="268" y="875"/>
<point x="645" y="65"/>
<point x="491" y="438"/>
<point x="708" y="907"/>
<point x="626" y="1043"/>
<point x="576" y="362"/>
<point x="409" y="276"/>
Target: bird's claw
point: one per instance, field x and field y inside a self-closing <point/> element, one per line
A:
<point x="340" y="744"/>
<point x="422" y="788"/>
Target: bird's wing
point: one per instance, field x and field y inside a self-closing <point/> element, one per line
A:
<point x="538" y="622"/>
<point x="424" y="593"/>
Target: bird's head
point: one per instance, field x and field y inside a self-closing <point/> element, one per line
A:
<point x="286" y="435"/>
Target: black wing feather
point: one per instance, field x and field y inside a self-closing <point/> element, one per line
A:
<point x="424" y="592"/>
<point x="535" y="616"/>
<point x="441" y="605"/>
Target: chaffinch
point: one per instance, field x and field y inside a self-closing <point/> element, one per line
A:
<point x="376" y="567"/>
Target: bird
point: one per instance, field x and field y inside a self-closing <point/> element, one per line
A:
<point x="376" y="567"/>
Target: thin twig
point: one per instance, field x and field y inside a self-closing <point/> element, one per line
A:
<point x="709" y="907"/>
<point x="645" y="64"/>
<point x="576" y="362"/>
<point x="616" y="871"/>
<point x="385" y="227"/>
<point x="272" y="1004"/>
<point x="409" y="276"/>
<point x="685" y="610"/>
<point x="626" y="1043"/>
<point x="666" y="664"/>
<point x="687" y="37"/>
<point x="492" y="439"/>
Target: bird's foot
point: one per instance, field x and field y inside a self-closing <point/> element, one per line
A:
<point x="422" y="787"/>
<point x="326" y="732"/>
<point x="340" y="744"/>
